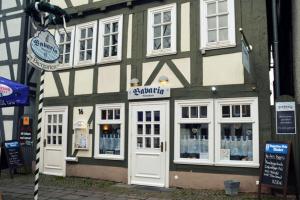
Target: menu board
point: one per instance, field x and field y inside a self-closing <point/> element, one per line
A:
<point x="13" y="154"/>
<point x="276" y="164"/>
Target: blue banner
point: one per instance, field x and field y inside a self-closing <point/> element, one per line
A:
<point x="13" y="93"/>
<point x="276" y="148"/>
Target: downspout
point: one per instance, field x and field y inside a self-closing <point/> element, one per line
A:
<point x="275" y="48"/>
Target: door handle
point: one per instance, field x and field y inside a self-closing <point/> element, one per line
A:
<point x="161" y="146"/>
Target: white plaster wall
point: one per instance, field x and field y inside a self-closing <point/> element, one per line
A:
<point x="50" y="89"/>
<point x="14" y="48"/>
<point x="60" y="3"/>
<point x="83" y="82"/>
<point x="8" y="129"/>
<point x="184" y="66"/>
<point x="8" y="111"/>
<point x="8" y="4"/>
<point x="223" y="69"/>
<point x="1" y="30"/>
<point x="147" y="70"/>
<point x="79" y="2"/>
<point x="87" y="112"/>
<point x="109" y="79"/>
<point x="65" y="77"/>
<point x="14" y="27"/>
<point x="4" y="71"/>
<point x="185" y="27"/>
<point x="3" y="54"/>
<point x="173" y="80"/>
<point x="128" y="71"/>
<point x="129" y="37"/>
<point x="15" y="67"/>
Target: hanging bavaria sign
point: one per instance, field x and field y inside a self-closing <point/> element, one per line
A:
<point x="43" y="52"/>
<point x="148" y="92"/>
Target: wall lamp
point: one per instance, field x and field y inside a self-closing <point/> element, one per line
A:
<point x="213" y="89"/>
<point x="134" y="82"/>
<point x="163" y="80"/>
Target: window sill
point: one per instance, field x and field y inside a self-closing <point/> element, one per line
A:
<point x="160" y="53"/>
<point x="84" y="64"/>
<point x="62" y="67"/>
<point x="111" y="60"/>
<point x="237" y="164"/>
<point x="218" y="46"/>
<point x="108" y="157"/>
<point x="192" y="162"/>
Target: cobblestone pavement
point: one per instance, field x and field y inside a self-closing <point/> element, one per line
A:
<point x="70" y="188"/>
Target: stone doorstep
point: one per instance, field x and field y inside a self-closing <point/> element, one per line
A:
<point x="143" y="188"/>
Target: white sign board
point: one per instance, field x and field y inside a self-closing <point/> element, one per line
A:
<point x="149" y="92"/>
<point x="285" y="118"/>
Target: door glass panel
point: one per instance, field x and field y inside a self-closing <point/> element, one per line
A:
<point x="49" y="118"/>
<point x="140" y="116"/>
<point x="156" y="129"/>
<point x="148" y="142"/>
<point x="54" y="140"/>
<point x="148" y="129"/>
<point x="59" y="140"/>
<point x="60" y="129"/>
<point x="60" y="118"/>
<point x="54" y="129"/>
<point x="140" y="129"/>
<point x="54" y="118"/>
<point x="156" y="116"/>
<point x="140" y="142"/>
<point x="49" y="129"/>
<point x="156" y="142"/>
<point x="148" y="116"/>
<point x="48" y="139"/>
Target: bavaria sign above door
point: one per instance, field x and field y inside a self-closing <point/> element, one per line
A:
<point x="148" y="92"/>
<point x="43" y="52"/>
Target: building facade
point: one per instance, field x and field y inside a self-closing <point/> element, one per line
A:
<point x="155" y="93"/>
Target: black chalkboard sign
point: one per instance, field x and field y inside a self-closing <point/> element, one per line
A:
<point x="14" y="156"/>
<point x="285" y="118"/>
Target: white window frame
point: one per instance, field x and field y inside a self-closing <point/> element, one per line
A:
<point x="209" y="120"/>
<point x="253" y="102"/>
<point x="100" y="58"/>
<point x="99" y="121"/>
<point x="77" y="62"/>
<point x="231" y="27"/>
<point x="150" y="32"/>
<point x="70" y="29"/>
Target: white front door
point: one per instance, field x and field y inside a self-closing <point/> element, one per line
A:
<point x="149" y="125"/>
<point x="54" y="140"/>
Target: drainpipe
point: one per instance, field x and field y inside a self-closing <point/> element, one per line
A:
<point x="275" y="48"/>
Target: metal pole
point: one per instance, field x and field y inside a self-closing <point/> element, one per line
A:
<point x="275" y="48"/>
<point x="38" y="137"/>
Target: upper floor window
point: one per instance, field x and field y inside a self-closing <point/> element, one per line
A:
<point x="110" y="39"/>
<point x="161" y="30"/>
<point x="65" y="40"/>
<point x="218" y="24"/>
<point x="85" y="46"/>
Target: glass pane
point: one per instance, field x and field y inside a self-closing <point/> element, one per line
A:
<point x="106" y="41"/>
<point x="194" y="112"/>
<point x="49" y="118"/>
<point x="156" y="116"/>
<point x="156" y="129"/>
<point x="60" y="129"/>
<point x="157" y="31"/>
<point x="236" y="112"/>
<point x="223" y="21"/>
<point x="109" y="139"/>
<point x="83" y="32"/>
<point x="212" y="22"/>
<point x="115" y="27"/>
<point x="89" y="54"/>
<point x="106" y="52"/>
<point x="117" y="113"/>
<point x="48" y="139"/>
<point x="236" y="141"/>
<point x="90" y="44"/>
<point x="54" y="129"/>
<point x="140" y="142"/>
<point x="140" y="116"/>
<point x="167" y="30"/>
<point x="68" y="47"/>
<point x="107" y="28"/>
<point x="53" y="139"/>
<point x="81" y="56"/>
<point x="225" y="111"/>
<point x="68" y="37"/>
<point x="212" y="36"/>
<point x="222" y="6"/>
<point x="167" y="42"/>
<point x="110" y="114"/>
<point x="147" y="142"/>
<point x="82" y="45"/>
<point x="114" y="50"/>
<point x="167" y="16"/>
<point x="61" y="49"/>
<point x="140" y="129"/>
<point x="59" y="139"/>
<point x="90" y="32"/>
<point x="61" y="38"/>
<point x="148" y="129"/>
<point x="115" y="39"/>
<point x="185" y="112"/>
<point x="203" y="112"/>
<point x="246" y="110"/>
<point x="157" y="43"/>
<point x="60" y="59"/>
<point x="194" y="141"/>
<point x="156" y="142"/>
<point x="223" y="34"/>
<point x="54" y="118"/>
<point x="148" y="116"/>
<point x="157" y="18"/>
<point x="103" y="114"/>
<point x="211" y="8"/>
<point x="67" y="58"/>
<point x="49" y="129"/>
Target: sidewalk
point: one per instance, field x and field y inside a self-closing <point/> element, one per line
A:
<point x="70" y="188"/>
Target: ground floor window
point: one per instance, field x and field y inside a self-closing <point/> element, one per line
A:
<point x="109" y="138"/>
<point x="217" y="132"/>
